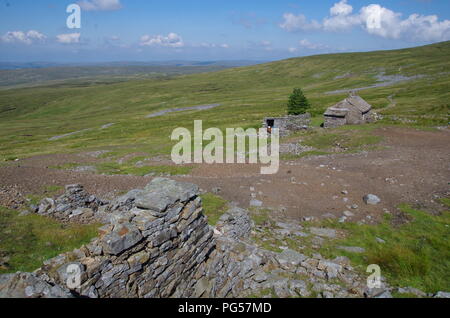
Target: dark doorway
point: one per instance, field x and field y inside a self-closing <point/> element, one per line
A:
<point x="270" y="122"/>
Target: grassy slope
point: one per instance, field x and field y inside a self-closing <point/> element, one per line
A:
<point x="247" y="95"/>
<point x="27" y="241"/>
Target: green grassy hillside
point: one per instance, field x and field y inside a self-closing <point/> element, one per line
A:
<point x="30" y="116"/>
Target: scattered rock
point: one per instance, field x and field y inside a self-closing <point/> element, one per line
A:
<point x="371" y="199"/>
<point x="442" y="294"/>
<point x="24" y="213"/>
<point x="290" y="257"/>
<point x="411" y="290"/>
<point x="330" y="233"/>
<point x="348" y="214"/>
<point x="379" y="240"/>
<point x="216" y="190"/>
<point x="256" y="203"/>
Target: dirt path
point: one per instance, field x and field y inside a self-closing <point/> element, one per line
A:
<point x="413" y="167"/>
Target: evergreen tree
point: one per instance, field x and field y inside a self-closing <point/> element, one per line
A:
<point x="298" y="104"/>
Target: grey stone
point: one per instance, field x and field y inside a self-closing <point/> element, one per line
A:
<point x="371" y="199"/>
<point x="46" y="206"/>
<point x="260" y="277"/>
<point x="67" y="269"/>
<point x="300" y="234"/>
<point x="412" y="290"/>
<point x="329" y="216"/>
<point x="256" y="203"/>
<point x="385" y="294"/>
<point x="348" y="214"/>
<point x="300" y="287"/>
<point x="181" y="191"/>
<point x="352" y="249"/>
<point x="123" y="237"/>
<point x="282" y="232"/>
<point x="29" y="285"/>
<point x="442" y="294"/>
<point x="81" y="211"/>
<point x="330" y="233"/>
<point x="24" y="213"/>
<point x="154" y="201"/>
<point x="290" y="257"/>
<point x="235" y="223"/>
<point x="200" y="287"/>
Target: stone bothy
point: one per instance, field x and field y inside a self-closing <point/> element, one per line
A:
<point x="351" y="111"/>
<point x="288" y="124"/>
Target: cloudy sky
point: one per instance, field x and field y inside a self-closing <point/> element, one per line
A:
<point x="145" y="30"/>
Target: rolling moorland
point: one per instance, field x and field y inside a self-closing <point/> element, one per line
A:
<point x="13" y="75"/>
<point x="408" y="89"/>
<point x="29" y="117"/>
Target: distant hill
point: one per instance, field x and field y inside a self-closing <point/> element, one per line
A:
<point x="29" y="74"/>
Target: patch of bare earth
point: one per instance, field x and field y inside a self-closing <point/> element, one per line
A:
<point x="412" y="167"/>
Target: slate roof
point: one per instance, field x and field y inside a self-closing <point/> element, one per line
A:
<point x="343" y="107"/>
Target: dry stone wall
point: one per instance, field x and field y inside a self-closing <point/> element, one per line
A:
<point x="156" y="243"/>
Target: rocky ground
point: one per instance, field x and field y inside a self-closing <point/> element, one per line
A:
<point x="240" y="265"/>
<point x="411" y="166"/>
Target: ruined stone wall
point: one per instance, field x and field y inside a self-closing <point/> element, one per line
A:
<point x="156" y="243"/>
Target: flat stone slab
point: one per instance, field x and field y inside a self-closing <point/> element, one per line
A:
<point x="291" y="257"/>
<point x="323" y="232"/>
<point x="256" y="203"/>
<point x="352" y="249"/>
<point x="159" y="194"/>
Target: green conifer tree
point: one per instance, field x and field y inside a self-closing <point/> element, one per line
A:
<point x="298" y="104"/>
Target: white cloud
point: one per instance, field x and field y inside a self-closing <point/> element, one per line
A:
<point x="341" y="17"/>
<point x="341" y="8"/>
<point x="23" y="37"/>
<point x="69" y="38"/>
<point x="211" y="45"/>
<point x="299" y="22"/>
<point x="427" y="28"/>
<point x="171" y="40"/>
<point x="375" y="20"/>
<point x="311" y="46"/>
<point x="292" y="49"/>
<point x="100" y="5"/>
<point x="386" y="23"/>
<point x="380" y="21"/>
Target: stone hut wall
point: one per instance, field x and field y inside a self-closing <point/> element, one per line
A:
<point x="333" y="122"/>
<point x="289" y="124"/>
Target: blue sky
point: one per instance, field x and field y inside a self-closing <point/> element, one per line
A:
<point x="146" y="30"/>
